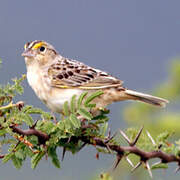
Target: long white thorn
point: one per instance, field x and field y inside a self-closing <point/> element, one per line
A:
<point x="129" y="161"/>
<point x="150" y="137"/>
<point x="149" y="169"/>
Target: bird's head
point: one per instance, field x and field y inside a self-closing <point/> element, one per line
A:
<point x="39" y="52"/>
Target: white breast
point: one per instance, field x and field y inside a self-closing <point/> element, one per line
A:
<point x="57" y="97"/>
<point x="36" y="81"/>
<point x="53" y="97"/>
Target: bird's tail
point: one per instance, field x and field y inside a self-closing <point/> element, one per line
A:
<point x="145" y="98"/>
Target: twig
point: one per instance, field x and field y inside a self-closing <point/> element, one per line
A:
<point x="42" y="137"/>
<point x="2" y="156"/>
<point x="19" y="104"/>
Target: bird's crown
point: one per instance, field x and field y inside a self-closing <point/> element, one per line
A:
<point x="35" y="44"/>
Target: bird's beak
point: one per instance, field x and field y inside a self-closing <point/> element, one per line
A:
<point x="28" y="53"/>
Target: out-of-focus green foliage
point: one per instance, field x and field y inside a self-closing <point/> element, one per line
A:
<point x="165" y="121"/>
<point x="104" y="176"/>
<point x="160" y="119"/>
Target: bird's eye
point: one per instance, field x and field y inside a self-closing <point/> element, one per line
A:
<point x="42" y="48"/>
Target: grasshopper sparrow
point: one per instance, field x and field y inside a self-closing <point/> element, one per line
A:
<point x="55" y="79"/>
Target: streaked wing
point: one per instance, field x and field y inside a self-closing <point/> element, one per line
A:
<point x="68" y="73"/>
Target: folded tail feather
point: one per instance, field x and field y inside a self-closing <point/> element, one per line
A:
<point x="146" y="98"/>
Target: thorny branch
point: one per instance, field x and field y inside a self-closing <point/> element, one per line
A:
<point x="42" y="137"/>
<point x="120" y="150"/>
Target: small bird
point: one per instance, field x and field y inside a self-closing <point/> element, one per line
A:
<point x="55" y="79"/>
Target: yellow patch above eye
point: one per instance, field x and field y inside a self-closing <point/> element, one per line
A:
<point x="64" y="87"/>
<point x="36" y="46"/>
<point x="25" y="46"/>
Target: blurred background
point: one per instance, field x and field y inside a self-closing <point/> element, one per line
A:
<point x="136" y="41"/>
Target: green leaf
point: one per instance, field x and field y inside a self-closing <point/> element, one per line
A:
<point x="48" y="127"/>
<point x="66" y="109"/>
<point x="163" y="136"/>
<point x="36" y="158"/>
<point x="68" y="124"/>
<point x="7" y="157"/>
<point x="61" y="125"/>
<point x="3" y="132"/>
<point x="16" y="161"/>
<point x="85" y="114"/>
<point x="73" y="104"/>
<point x="20" y="154"/>
<point x="92" y="97"/>
<point x="75" y="121"/>
<point x="31" y="110"/>
<point x="7" y="141"/>
<point x="80" y="99"/>
<point x="102" y="116"/>
<point x="56" y="162"/>
<point x="8" y="91"/>
<point x="27" y="119"/>
<point x="46" y="115"/>
<point x="28" y="151"/>
<point x="23" y="117"/>
<point x="90" y="105"/>
<point x="158" y="166"/>
<point x="52" y="153"/>
<point x="103" y="128"/>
